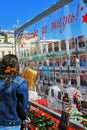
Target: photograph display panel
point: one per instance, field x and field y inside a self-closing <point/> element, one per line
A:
<point x="50" y="48"/>
<point x="81" y="43"/>
<point x="51" y="63"/>
<point x="57" y="63"/>
<point x="73" y="80"/>
<point x="82" y="61"/>
<point x="72" y="62"/>
<point x="64" y="62"/>
<point x="63" y="45"/>
<point x="56" y="47"/>
<point x="72" y="45"/>
<point x="57" y="77"/>
<point x="44" y="48"/>
<point x="83" y="80"/>
<point x="65" y="79"/>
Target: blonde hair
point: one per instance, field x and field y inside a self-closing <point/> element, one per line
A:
<point x="31" y="75"/>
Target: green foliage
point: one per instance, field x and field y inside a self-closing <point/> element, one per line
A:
<point x="41" y="122"/>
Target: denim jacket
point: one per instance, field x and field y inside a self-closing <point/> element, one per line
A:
<point x="13" y="102"/>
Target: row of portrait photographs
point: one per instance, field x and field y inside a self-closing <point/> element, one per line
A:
<point x="62" y="45"/>
<point x="62" y="62"/>
<point x="71" y="43"/>
<point x="65" y="79"/>
<point x="79" y="41"/>
<point x="57" y="76"/>
<point x="73" y="78"/>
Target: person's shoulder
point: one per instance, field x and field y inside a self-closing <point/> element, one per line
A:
<point x="19" y="80"/>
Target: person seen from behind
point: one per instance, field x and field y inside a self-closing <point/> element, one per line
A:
<point x="14" y="103"/>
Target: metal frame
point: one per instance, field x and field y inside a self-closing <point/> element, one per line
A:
<point x="46" y="12"/>
<point x="75" y="124"/>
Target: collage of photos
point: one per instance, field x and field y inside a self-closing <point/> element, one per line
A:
<point x="74" y="44"/>
<point x="52" y="74"/>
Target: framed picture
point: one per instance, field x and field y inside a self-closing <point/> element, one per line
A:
<point x="57" y="77"/>
<point x="64" y="63"/>
<point x="72" y="45"/>
<point x="82" y="61"/>
<point x="65" y="79"/>
<point x="57" y="63"/>
<point x="83" y="80"/>
<point x="81" y="43"/>
<point x="73" y="62"/>
<point x="56" y="48"/>
<point x="50" y="48"/>
<point x="63" y="45"/>
<point x="73" y="79"/>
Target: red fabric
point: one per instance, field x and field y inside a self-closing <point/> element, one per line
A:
<point x="44" y="102"/>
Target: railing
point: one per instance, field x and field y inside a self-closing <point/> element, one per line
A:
<point x="74" y="124"/>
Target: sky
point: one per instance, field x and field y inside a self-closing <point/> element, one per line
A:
<point x="22" y="10"/>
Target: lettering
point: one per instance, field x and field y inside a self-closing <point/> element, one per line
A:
<point x="62" y="22"/>
<point x="58" y="24"/>
<point x="44" y="29"/>
<point x="32" y="35"/>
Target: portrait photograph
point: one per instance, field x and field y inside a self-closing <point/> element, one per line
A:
<point x="57" y="77"/>
<point x="63" y="45"/>
<point x="83" y="80"/>
<point x="64" y="62"/>
<point x="50" y="48"/>
<point x="57" y="63"/>
<point x="83" y="61"/>
<point x="81" y="43"/>
<point x="56" y="47"/>
<point x="73" y="79"/>
<point x="65" y="79"/>
<point x="73" y="62"/>
<point x="72" y="45"/>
